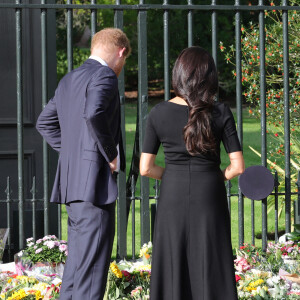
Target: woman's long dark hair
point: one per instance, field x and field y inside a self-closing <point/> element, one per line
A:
<point x="195" y="80"/>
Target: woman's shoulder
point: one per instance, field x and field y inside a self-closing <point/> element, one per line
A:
<point x="160" y="108"/>
<point x="221" y="108"/>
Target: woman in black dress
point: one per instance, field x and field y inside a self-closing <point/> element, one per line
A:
<point x="192" y="253"/>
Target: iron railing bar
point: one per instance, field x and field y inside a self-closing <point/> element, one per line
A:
<point x="214" y="31"/>
<point x="8" y="210"/>
<point x="44" y="103"/>
<point x="145" y="7"/>
<point x="166" y="53"/>
<point x="59" y="222"/>
<point x="297" y="207"/>
<point x="142" y="115"/>
<point x="93" y="18"/>
<point x="263" y="122"/>
<point x="252" y="222"/>
<point x="286" y="118"/>
<point x="239" y="113"/>
<point x="122" y="206"/>
<point x="228" y="194"/>
<point x="33" y="192"/>
<point x="190" y="24"/>
<point x="133" y="215"/>
<point x="20" y="123"/>
<point x="276" y="205"/>
<point x="70" y="36"/>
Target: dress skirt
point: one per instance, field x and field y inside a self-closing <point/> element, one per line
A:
<point x="192" y="253"/>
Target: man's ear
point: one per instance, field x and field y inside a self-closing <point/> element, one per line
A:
<point x="121" y="52"/>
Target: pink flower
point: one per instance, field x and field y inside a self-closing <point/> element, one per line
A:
<point x="63" y="248"/>
<point x="38" y="250"/>
<point x="29" y="240"/>
<point x="66" y="252"/>
<point x="30" y="244"/>
<point x="241" y="264"/>
<point x="136" y="291"/>
<point x="39" y="241"/>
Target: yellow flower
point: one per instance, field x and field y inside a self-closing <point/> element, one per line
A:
<point x="116" y="271"/>
<point x="253" y="285"/>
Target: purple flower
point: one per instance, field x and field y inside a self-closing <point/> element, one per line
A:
<point x="63" y="248"/>
<point x="63" y="242"/>
<point x="38" y="250"/>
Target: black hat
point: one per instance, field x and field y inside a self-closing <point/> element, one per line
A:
<point x="256" y="183"/>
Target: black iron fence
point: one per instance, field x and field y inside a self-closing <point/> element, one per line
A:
<point x="127" y="185"/>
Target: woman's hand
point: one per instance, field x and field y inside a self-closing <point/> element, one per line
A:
<point x="149" y="168"/>
<point x="236" y="167"/>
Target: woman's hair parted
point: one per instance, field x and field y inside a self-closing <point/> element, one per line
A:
<point x="195" y="80"/>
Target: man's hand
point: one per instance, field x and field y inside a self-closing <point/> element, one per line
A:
<point x="113" y="165"/>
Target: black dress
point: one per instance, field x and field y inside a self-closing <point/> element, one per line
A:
<point x="192" y="253"/>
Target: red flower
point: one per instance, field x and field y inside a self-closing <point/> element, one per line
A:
<point x="126" y="274"/>
<point x="237" y="278"/>
<point x="276" y="134"/>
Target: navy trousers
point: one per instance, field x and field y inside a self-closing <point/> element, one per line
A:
<point x="91" y="232"/>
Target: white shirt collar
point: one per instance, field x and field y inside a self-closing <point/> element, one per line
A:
<point x="99" y="59"/>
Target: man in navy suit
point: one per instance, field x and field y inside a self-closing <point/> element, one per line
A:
<point x="82" y="122"/>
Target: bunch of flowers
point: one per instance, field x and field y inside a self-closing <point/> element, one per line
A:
<point x="16" y="287"/>
<point x="247" y="257"/>
<point x="47" y="249"/>
<point x="146" y="252"/>
<point x="3" y="238"/>
<point x="130" y="280"/>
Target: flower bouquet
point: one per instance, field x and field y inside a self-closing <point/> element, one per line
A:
<point x="268" y="275"/>
<point x="45" y="257"/>
<point x="146" y="252"/>
<point x="17" y="287"/>
<point x="3" y="238"/>
<point x="130" y="279"/>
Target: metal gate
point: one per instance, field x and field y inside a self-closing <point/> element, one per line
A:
<point x="127" y="194"/>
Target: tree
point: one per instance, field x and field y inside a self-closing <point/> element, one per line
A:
<point x="274" y="82"/>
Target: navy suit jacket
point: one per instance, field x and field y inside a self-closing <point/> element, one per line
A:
<point x="82" y="123"/>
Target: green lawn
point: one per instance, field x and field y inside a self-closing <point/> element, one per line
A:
<point x="252" y="137"/>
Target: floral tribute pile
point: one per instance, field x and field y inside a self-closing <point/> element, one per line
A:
<point x="38" y="271"/>
<point x="271" y="275"/>
<point x="274" y="274"/>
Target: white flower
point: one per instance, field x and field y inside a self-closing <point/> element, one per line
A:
<point x="35" y="247"/>
<point x="47" y="237"/>
<point x="29" y="240"/>
<point x="50" y="244"/>
<point x="30" y="244"/>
